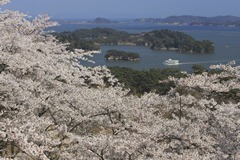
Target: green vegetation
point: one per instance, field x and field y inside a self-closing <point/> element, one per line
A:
<point x="121" y="55"/>
<point x="156" y="80"/>
<point x="90" y="39"/>
<point x="140" y="82"/>
<point x="172" y="40"/>
<point x="198" y="69"/>
<point x="76" y="42"/>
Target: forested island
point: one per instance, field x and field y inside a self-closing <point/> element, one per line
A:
<point x="91" y="39"/>
<point x="101" y="20"/>
<point x="121" y="55"/>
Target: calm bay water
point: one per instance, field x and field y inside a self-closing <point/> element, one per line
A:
<point x="226" y="41"/>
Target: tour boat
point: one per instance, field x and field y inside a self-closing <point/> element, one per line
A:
<point x="171" y="62"/>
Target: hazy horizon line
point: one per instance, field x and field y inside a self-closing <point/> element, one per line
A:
<point x="92" y="18"/>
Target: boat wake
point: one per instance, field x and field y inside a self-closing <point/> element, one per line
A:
<point x="205" y="62"/>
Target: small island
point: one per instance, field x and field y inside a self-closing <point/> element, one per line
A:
<point x="121" y="55"/>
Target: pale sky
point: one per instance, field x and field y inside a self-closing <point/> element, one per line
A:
<point x="84" y="9"/>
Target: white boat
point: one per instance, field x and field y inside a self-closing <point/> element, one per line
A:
<point x="171" y="62"/>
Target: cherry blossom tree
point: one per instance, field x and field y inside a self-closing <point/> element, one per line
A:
<point x="52" y="107"/>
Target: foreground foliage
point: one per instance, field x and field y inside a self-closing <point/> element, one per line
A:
<point x="140" y="82"/>
<point x="53" y="108"/>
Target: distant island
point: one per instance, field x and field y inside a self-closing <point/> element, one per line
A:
<point x="121" y="55"/>
<point x="91" y="39"/>
<point x="101" y="20"/>
<point x="193" y="20"/>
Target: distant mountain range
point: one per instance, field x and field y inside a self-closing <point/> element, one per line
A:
<point x="172" y="20"/>
<point x="193" y="20"/>
<point x="98" y="20"/>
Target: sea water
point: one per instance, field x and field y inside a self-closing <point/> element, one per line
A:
<point x="226" y="41"/>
